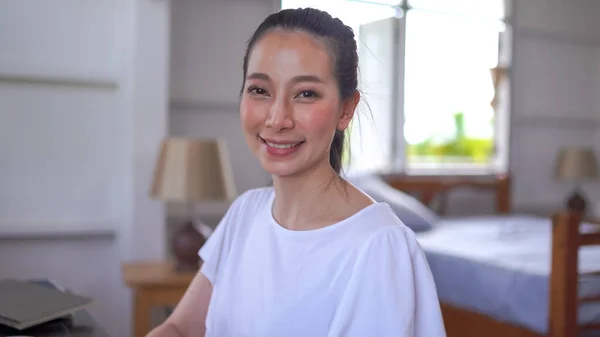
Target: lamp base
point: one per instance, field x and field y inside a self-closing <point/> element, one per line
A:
<point x="186" y="244"/>
<point x="576" y="202"/>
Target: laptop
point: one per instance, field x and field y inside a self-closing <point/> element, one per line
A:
<point x="26" y="304"/>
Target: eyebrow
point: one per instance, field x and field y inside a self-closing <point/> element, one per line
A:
<point x="295" y="79"/>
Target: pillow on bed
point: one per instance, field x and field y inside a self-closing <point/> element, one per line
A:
<point x="409" y="210"/>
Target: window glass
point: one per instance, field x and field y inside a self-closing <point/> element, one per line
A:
<point x="449" y="88"/>
<point x="481" y="8"/>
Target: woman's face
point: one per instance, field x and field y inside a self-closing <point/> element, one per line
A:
<point x="290" y="106"/>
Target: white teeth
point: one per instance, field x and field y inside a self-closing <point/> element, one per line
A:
<point x="282" y="146"/>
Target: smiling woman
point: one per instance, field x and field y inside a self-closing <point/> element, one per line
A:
<point x="312" y="255"/>
<point x="292" y="105"/>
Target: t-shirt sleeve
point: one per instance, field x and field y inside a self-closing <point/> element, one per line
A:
<point x="391" y="291"/>
<point x="215" y="250"/>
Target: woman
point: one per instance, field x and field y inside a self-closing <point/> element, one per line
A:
<point x="312" y="255"/>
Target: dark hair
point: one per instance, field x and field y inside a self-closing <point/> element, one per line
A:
<point x="340" y="41"/>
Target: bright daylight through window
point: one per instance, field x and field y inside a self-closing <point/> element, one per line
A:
<point x="433" y="75"/>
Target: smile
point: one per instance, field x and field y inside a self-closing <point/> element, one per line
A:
<point x="282" y="146"/>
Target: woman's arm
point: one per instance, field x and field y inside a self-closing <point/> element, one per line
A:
<point x="189" y="316"/>
<point x="165" y="329"/>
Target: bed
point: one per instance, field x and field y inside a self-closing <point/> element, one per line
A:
<point x="507" y="274"/>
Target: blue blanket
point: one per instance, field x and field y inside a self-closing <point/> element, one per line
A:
<point x="500" y="266"/>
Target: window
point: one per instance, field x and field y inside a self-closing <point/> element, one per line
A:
<point x="432" y="73"/>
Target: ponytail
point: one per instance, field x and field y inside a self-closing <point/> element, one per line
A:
<point x="337" y="149"/>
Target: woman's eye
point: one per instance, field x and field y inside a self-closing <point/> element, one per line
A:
<point x="257" y="91"/>
<point x="307" y="94"/>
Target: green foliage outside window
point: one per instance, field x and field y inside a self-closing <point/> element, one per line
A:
<point x="460" y="148"/>
<point x="457" y="149"/>
<point x="346" y="151"/>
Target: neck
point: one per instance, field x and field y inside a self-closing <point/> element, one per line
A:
<point x="302" y="199"/>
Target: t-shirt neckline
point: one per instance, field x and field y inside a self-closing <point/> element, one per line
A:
<point x="317" y="231"/>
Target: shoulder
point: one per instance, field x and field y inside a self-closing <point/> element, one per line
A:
<point x="391" y="251"/>
<point x="386" y="234"/>
<point x="245" y="207"/>
<point x="232" y="228"/>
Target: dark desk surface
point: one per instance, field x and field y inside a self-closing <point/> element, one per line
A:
<point x="81" y="325"/>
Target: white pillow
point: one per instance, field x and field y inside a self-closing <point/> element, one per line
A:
<point x="409" y="210"/>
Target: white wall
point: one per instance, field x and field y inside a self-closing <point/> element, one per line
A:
<point x="555" y="78"/>
<point x="83" y="101"/>
<point x="62" y="128"/>
<point x="61" y="117"/>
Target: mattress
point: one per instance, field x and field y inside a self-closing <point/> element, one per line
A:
<point x="500" y="266"/>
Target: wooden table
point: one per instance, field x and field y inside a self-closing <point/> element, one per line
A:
<point x="155" y="284"/>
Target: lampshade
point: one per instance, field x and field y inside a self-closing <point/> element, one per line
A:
<point x="189" y="170"/>
<point x="576" y="164"/>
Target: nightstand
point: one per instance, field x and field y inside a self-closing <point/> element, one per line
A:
<point x="154" y="284"/>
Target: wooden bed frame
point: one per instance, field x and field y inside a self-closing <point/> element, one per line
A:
<point x="566" y="241"/>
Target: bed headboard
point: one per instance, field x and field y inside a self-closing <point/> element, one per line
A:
<point x="427" y="188"/>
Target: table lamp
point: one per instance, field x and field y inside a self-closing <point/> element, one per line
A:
<point x="190" y="171"/>
<point x="576" y="165"/>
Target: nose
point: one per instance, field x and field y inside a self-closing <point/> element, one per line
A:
<point x="280" y="116"/>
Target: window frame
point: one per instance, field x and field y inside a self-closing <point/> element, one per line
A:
<point x="500" y="162"/>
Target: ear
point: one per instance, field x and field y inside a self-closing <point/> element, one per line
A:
<point x="348" y="109"/>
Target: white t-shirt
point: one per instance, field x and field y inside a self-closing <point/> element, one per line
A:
<point x="365" y="276"/>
